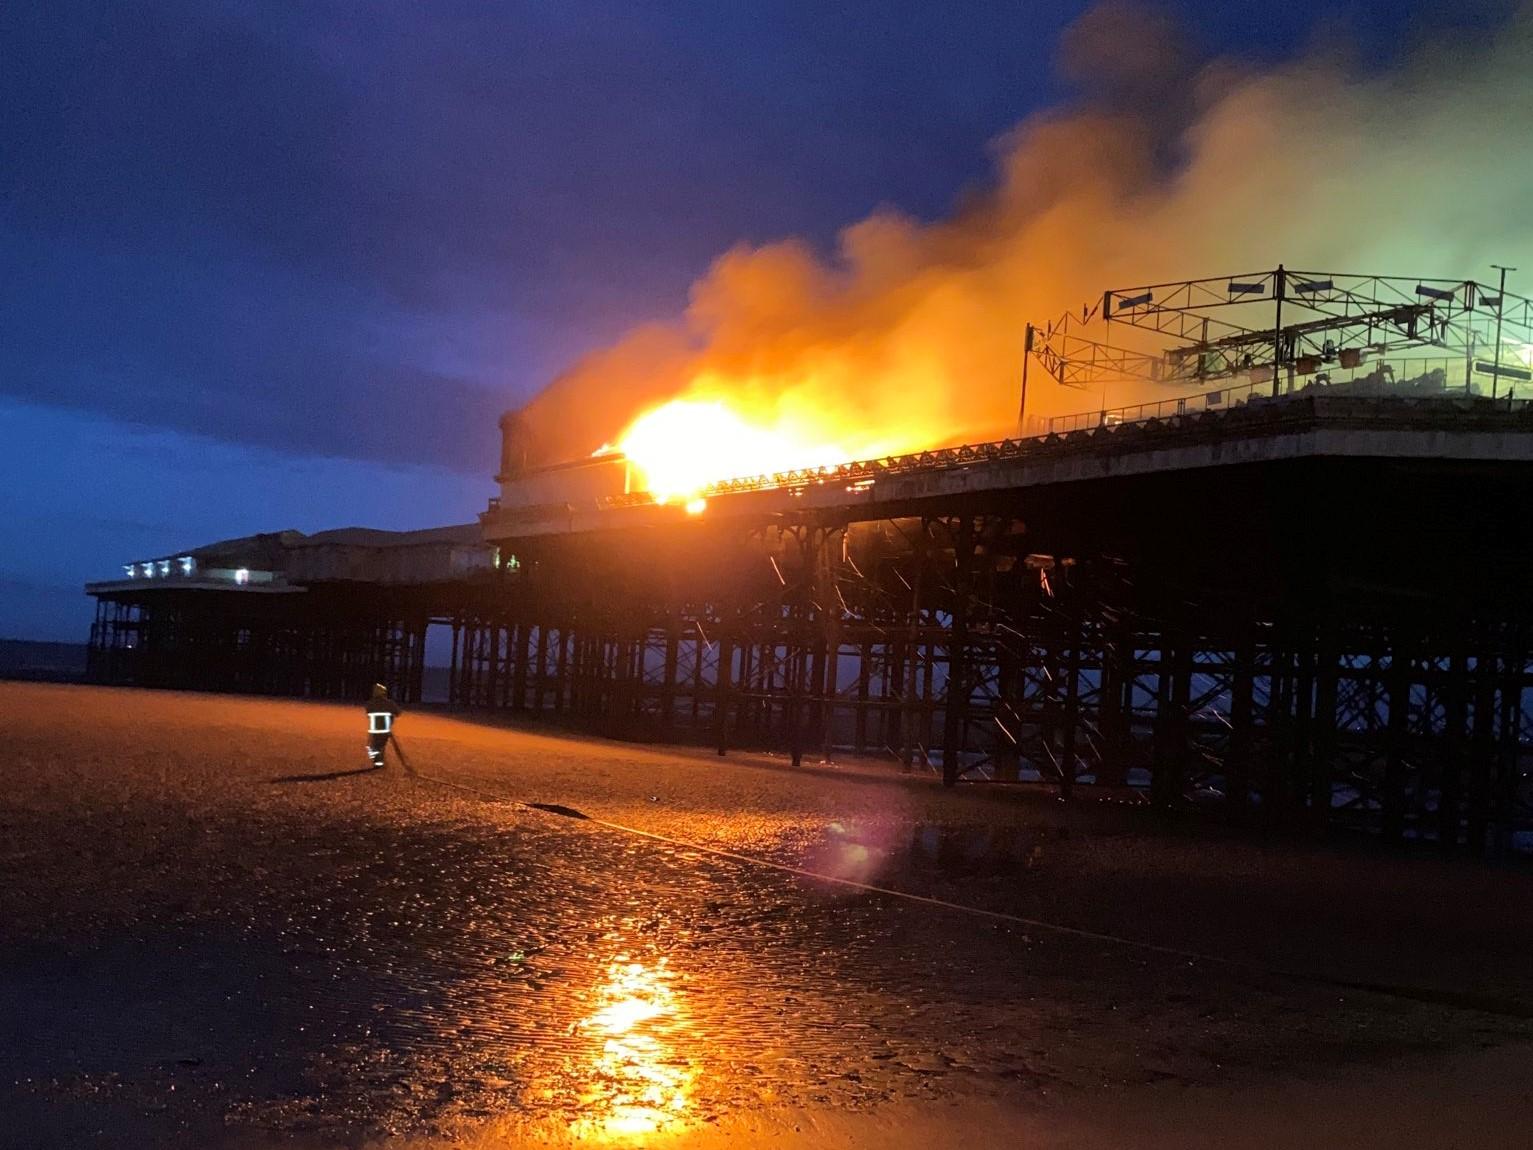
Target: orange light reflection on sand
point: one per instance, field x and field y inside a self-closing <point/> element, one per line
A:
<point x="638" y="1083"/>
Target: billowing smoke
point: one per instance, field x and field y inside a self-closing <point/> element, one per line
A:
<point x="1167" y="167"/>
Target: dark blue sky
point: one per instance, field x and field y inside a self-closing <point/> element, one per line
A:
<point x="272" y="266"/>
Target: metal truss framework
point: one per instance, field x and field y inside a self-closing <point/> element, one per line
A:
<point x="937" y="644"/>
<point x="1267" y="325"/>
<point x="333" y="646"/>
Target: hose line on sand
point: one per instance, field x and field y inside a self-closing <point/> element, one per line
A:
<point x="1482" y="1003"/>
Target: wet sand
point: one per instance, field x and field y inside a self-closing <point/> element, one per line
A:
<point x="216" y="930"/>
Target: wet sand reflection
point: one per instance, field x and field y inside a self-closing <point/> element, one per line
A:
<point x="639" y="1077"/>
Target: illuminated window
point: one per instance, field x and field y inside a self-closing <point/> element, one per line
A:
<point x="242" y="575"/>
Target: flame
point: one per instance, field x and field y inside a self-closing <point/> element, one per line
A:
<point x="680" y="447"/>
<point x="717" y="432"/>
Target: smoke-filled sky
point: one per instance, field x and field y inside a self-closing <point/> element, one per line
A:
<point x="267" y="266"/>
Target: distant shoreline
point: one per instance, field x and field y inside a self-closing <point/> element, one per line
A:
<point x="43" y="661"/>
<point x="49" y="661"/>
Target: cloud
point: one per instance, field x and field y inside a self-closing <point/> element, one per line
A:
<point x="80" y="495"/>
<point x="364" y="230"/>
<point x="1170" y="165"/>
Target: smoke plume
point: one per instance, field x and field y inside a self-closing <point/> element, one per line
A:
<point x="1167" y="166"/>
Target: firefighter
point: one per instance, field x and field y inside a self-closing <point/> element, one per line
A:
<point x="381" y="712"/>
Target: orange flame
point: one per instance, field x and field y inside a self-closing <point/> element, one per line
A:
<point x="681" y="447"/>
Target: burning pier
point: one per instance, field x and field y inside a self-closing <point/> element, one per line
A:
<point x="1306" y="611"/>
<point x="1294" y="593"/>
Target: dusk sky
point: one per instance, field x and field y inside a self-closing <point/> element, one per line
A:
<point x="277" y="266"/>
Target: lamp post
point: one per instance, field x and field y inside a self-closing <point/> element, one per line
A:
<point x="1027" y="354"/>
<point x="1279" y="284"/>
<point x="1495" y="377"/>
